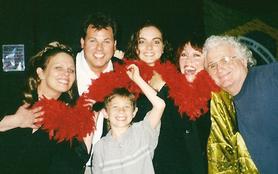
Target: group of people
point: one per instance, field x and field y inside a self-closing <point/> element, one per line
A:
<point x="148" y="133"/>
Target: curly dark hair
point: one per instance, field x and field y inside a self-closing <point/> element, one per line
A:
<point x="196" y="41"/>
<point x="41" y="59"/>
<point x="130" y="52"/>
<point x="99" y="21"/>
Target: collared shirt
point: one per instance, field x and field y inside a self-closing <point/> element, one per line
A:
<point x="130" y="153"/>
<point x="85" y="76"/>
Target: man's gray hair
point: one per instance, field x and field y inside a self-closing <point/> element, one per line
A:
<point x="241" y="49"/>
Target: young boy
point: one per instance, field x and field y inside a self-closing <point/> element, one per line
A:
<point x="129" y="148"/>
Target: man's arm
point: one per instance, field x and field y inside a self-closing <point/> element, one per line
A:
<point x="23" y="118"/>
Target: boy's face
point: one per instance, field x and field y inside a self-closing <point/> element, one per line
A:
<point x="120" y="112"/>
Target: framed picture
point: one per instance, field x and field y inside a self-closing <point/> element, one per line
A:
<point x="13" y="57"/>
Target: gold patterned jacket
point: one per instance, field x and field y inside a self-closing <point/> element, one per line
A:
<point x="227" y="152"/>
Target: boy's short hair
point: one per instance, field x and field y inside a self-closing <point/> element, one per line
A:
<point x="121" y="92"/>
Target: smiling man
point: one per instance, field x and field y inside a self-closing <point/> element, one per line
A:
<point x="255" y="96"/>
<point x="98" y="43"/>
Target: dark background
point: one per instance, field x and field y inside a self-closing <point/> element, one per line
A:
<point x="35" y="23"/>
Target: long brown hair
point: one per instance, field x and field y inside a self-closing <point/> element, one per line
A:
<point x="131" y="52"/>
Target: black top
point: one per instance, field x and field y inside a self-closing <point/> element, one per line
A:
<point x="22" y="151"/>
<point x="182" y="143"/>
<point x="117" y="60"/>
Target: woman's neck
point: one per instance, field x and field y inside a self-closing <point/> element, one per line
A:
<point x="47" y="94"/>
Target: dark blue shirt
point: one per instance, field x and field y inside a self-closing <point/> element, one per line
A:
<point x="257" y="113"/>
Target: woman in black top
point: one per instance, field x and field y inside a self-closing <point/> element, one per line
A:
<point x="179" y="150"/>
<point x="30" y="150"/>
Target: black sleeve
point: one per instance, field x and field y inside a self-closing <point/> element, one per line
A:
<point x="144" y="105"/>
<point x="10" y="107"/>
<point x="81" y="152"/>
<point x="70" y="158"/>
<point x="117" y="60"/>
<point x="163" y="93"/>
<point x="203" y="125"/>
<point x="2" y="116"/>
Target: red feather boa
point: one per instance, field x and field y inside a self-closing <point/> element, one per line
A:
<point x="191" y="98"/>
<point x="69" y="122"/>
<point x="64" y="122"/>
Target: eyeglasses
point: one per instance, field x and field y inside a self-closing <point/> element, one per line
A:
<point x="223" y="61"/>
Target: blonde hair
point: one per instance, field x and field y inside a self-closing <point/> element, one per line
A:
<point x="121" y="92"/>
<point x="41" y="60"/>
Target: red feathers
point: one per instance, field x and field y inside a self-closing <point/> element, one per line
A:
<point x="69" y="122"/>
<point x="118" y="78"/>
<point x="64" y="122"/>
<point x="191" y="98"/>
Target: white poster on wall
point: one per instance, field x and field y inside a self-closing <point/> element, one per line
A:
<point x="13" y="57"/>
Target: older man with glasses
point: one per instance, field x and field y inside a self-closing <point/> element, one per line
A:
<point x="255" y="96"/>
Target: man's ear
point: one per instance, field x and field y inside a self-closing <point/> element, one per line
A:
<point x="134" y="112"/>
<point x="40" y="73"/>
<point x="244" y="62"/>
<point x="104" y="112"/>
<point x="82" y="42"/>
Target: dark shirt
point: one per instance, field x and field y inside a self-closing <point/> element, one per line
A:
<point x="22" y="151"/>
<point x="257" y="114"/>
<point x="182" y="143"/>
